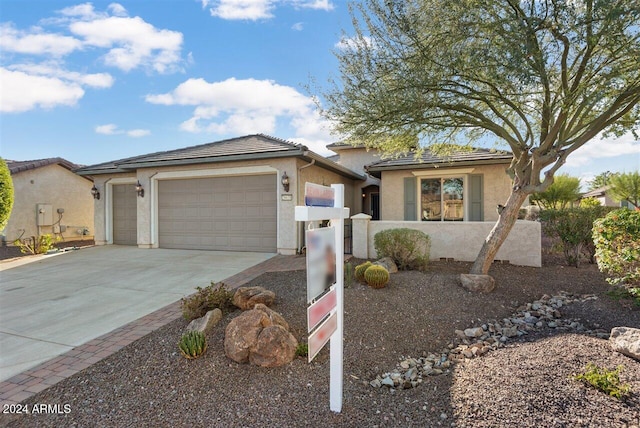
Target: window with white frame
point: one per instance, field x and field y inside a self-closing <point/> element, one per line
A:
<point x="442" y="199"/>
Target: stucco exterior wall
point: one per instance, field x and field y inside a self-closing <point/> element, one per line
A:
<point x="288" y="240"/>
<point x="459" y="241"/>
<point x="497" y="187"/>
<point x="356" y="159"/>
<point x="59" y="187"/>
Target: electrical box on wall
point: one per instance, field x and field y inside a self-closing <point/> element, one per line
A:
<point x="44" y="215"/>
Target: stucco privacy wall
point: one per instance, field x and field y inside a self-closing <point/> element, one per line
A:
<point x="497" y="188"/>
<point x="458" y="240"/>
<point x="355" y="158"/>
<point x="287" y="241"/>
<point x="55" y="185"/>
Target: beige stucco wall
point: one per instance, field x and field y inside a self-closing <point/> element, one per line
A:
<point x="497" y="187"/>
<point x="288" y="230"/>
<point x="59" y="187"/>
<point x="356" y="159"/>
<point x="460" y="240"/>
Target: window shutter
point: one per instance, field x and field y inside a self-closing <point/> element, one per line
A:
<point x="410" y="207"/>
<point x="476" y="197"/>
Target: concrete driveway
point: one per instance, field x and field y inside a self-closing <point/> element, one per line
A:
<point x="56" y="303"/>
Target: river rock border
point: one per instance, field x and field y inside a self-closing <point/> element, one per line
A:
<point x="476" y="341"/>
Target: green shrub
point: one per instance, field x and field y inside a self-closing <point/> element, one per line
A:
<point x="6" y="194"/>
<point x="563" y="191"/>
<point x="619" y="293"/>
<point x="408" y="248"/>
<point x="348" y="275"/>
<point x="193" y="344"/>
<point x="590" y="203"/>
<point x="205" y="299"/>
<point x="376" y="276"/>
<point x="36" y="245"/>
<point x="607" y="381"/>
<point x="302" y="350"/>
<point x="360" y="270"/>
<point x="617" y="242"/>
<point x="573" y="227"/>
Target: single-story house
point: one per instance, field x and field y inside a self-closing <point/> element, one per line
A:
<point x="605" y="199"/>
<point x="240" y="194"/>
<point x="49" y="198"/>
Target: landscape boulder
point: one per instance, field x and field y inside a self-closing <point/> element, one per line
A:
<point x="260" y="336"/>
<point x="477" y="283"/>
<point x="205" y="323"/>
<point x="388" y="264"/>
<point x="246" y="298"/>
<point x="626" y="340"/>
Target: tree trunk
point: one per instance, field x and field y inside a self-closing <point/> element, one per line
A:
<point x="507" y="218"/>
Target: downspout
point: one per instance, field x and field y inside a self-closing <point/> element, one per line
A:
<point x="301" y="227"/>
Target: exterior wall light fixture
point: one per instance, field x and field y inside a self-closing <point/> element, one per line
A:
<point x="285" y="181"/>
<point x="95" y="192"/>
<point x="139" y="189"/>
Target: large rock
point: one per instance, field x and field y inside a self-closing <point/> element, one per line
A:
<point x="388" y="264"/>
<point x="626" y="340"/>
<point x="260" y="336"/>
<point x="477" y="283"/>
<point x="205" y="323"/>
<point x="247" y="297"/>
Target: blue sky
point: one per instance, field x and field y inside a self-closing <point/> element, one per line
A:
<point x="93" y="82"/>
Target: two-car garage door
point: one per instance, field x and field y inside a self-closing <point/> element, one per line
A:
<point x="218" y="213"/>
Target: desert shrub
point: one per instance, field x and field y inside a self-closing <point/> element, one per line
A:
<point x="590" y="203"/>
<point x="36" y="245"/>
<point x="622" y="293"/>
<point x="205" y="299"/>
<point x="617" y="243"/>
<point x="408" y="248"/>
<point x="348" y="275"/>
<point x="302" y="350"/>
<point x="607" y="381"/>
<point x="360" y="270"/>
<point x="573" y="227"/>
<point x="193" y="344"/>
<point x="563" y="191"/>
<point x="376" y="276"/>
<point x="6" y="194"/>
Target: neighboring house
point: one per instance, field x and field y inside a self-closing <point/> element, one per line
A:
<point x="233" y="195"/>
<point x="49" y="198"/>
<point x="602" y="195"/>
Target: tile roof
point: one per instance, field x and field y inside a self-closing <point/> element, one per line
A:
<point x="19" y="166"/>
<point x="249" y="147"/>
<point x="600" y="191"/>
<point x="428" y="160"/>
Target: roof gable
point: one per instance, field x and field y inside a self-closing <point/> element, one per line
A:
<point x="16" y="167"/>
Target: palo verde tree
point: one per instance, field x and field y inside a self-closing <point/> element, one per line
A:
<point x="626" y="187"/>
<point x="542" y="77"/>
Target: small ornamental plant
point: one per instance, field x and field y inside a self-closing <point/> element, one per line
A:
<point x="604" y="380"/>
<point x="302" y="350"/>
<point x="376" y="276"/>
<point x="193" y="344"/>
<point x="205" y="299"/>
<point x="361" y="269"/>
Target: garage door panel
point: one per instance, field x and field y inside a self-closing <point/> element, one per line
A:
<point x="218" y="213"/>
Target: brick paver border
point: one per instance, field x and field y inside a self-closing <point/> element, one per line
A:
<point x="30" y="382"/>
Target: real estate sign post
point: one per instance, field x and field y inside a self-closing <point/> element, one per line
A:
<point x="325" y="278"/>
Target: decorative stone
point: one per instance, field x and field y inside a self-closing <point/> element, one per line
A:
<point x="260" y="336"/>
<point x="474" y="332"/>
<point x="477" y="283"/>
<point x="388" y="264"/>
<point x="246" y="298"/>
<point x="626" y="340"/>
<point x="205" y="323"/>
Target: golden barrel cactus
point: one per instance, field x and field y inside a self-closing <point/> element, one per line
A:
<point x="360" y="270"/>
<point x="376" y="276"/>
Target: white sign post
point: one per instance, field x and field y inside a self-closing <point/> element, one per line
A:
<point x="336" y="213"/>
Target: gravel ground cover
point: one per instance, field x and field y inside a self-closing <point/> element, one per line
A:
<point x="524" y="384"/>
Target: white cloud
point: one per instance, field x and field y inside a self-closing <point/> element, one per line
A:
<point x="346" y="43"/>
<point x="136" y="133"/>
<point x="246" y="106"/>
<point x="36" y="41"/>
<point x="22" y="91"/>
<point x="112" y="129"/>
<point x="117" y="9"/>
<point x="108" y="129"/>
<point x="298" y="26"/>
<point x="132" y="43"/>
<point x="599" y="148"/>
<point x="53" y="69"/>
<point x="254" y="10"/>
<point x="84" y="10"/>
